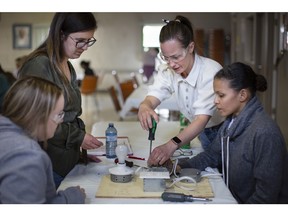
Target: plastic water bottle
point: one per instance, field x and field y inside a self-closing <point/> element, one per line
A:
<point x="111" y="141"/>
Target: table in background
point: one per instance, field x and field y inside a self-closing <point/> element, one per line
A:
<point x="139" y="94"/>
<point x="89" y="177"/>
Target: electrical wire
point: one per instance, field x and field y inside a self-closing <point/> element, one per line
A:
<point x="178" y="183"/>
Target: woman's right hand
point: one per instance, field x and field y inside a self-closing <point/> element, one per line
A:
<point x="82" y="190"/>
<point x="145" y="115"/>
<point x="90" y="142"/>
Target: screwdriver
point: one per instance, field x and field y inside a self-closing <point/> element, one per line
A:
<point x="152" y="131"/>
<point x="178" y="197"/>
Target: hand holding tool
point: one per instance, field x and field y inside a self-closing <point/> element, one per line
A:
<point x="178" y="197"/>
<point x="152" y="131"/>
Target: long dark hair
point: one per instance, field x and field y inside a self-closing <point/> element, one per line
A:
<point x="62" y="24"/>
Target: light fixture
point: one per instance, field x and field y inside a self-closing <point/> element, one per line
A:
<point x="121" y="173"/>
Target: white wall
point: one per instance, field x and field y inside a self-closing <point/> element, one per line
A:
<point x="119" y="36"/>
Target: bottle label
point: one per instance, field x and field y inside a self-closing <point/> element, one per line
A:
<point x="111" y="144"/>
<point x="111" y="138"/>
<point x="111" y="149"/>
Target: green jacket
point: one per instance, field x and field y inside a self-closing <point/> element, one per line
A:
<point x="4" y="86"/>
<point x="64" y="147"/>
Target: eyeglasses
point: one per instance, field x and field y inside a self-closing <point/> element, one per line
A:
<point x="82" y="43"/>
<point x="59" y="117"/>
<point x="175" y="58"/>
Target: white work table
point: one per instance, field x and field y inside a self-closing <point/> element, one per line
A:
<point x="89" y="176"/>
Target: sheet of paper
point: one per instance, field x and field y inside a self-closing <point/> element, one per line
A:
<point x="102" y="150"/>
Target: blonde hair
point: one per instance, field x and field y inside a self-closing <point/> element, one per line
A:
<point x="29" y="103"/>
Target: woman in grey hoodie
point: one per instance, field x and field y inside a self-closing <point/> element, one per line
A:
<point x="32" y="110"/>
<point x="249" y="146"/>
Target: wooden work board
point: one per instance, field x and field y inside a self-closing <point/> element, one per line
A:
<point x="134" y="189"/>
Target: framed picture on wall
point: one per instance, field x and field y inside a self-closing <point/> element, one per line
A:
<point x="22" y="36"/>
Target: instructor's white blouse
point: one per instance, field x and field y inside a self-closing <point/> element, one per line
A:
<point x="194" y="94"/>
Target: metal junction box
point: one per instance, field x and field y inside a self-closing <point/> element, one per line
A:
<point x="154" y="179"/>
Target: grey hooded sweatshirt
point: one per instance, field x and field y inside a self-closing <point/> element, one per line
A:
<point x="26" y="174"/>
<point x="252" y="154"/>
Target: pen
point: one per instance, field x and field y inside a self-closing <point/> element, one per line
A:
<point x="136" y="158"/>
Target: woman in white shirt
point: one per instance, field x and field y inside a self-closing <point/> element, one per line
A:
<point x="188" y="76"/>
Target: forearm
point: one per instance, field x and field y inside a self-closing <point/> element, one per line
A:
<point x="192" y="163"/>
<point x="150" y="102"/>
<point x="200" y="161"/>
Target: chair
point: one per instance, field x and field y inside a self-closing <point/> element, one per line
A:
<point x="89" y="87"/>
<point x="117" y="87"/>
<point x="127" y="88"/>
<point x="115" y="74"/>
<point x="135" y="80"/>
<point x="113" y="94"/>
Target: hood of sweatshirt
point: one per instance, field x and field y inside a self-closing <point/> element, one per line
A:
<point x="12" y="134"/>
<point x="233" y="127"/>
<point x="242" y="120"/>
<point x="6" y="125"/>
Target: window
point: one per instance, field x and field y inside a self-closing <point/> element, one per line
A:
<point x="151" y="35"/>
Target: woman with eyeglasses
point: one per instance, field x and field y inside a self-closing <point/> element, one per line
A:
<point x="188" y="76"/>
<point x="32" y="110"/>
<point x="69" y="36"/>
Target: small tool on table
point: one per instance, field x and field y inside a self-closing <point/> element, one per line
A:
<point x="178" y="197"/>
<point x="152" y="131"/>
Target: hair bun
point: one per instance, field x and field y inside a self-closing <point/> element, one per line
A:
<point x="261" y="83"/>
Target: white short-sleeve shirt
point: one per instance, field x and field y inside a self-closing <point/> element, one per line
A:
<point x="194" y="94"/>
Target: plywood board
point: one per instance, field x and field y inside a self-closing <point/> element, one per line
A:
<point x="134" y="189"/>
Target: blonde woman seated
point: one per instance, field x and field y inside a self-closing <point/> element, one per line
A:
<point x="32" y="110"/>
